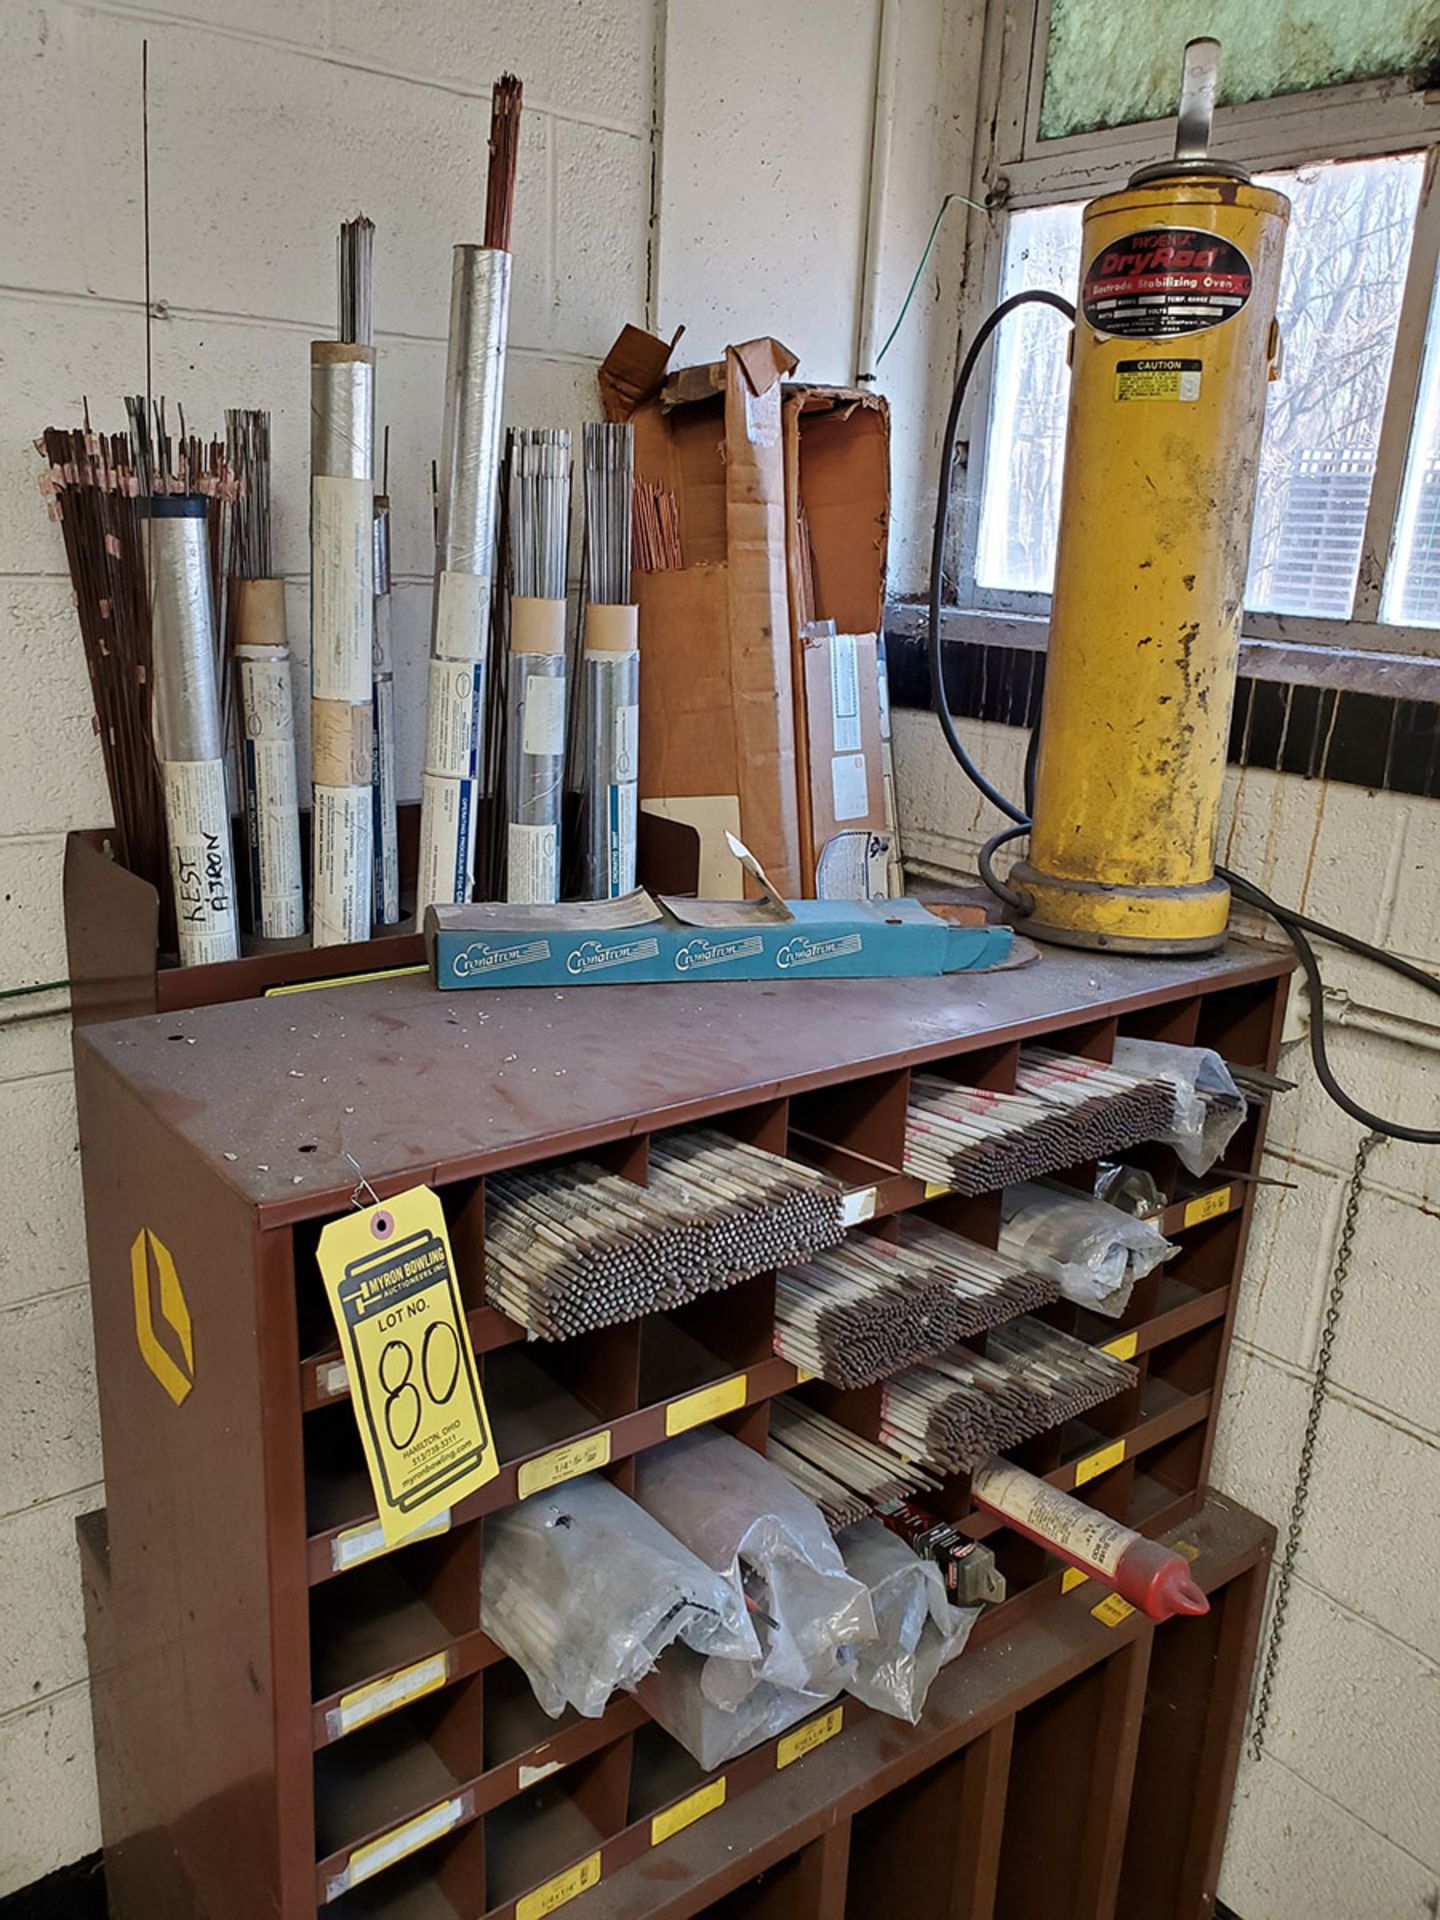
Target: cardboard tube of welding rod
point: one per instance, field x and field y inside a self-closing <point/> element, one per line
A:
<point x="267" y="758"/>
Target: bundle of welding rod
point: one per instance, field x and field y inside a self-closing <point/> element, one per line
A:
<point x="861" y="1311"/>
<point x="573" y="1247"/>
<point x="846" y="1475"/>
<point x="957" y="1408"/>
<point x="1064" y="1109"/>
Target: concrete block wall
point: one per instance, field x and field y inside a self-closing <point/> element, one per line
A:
<point x="1341" y="1817"/>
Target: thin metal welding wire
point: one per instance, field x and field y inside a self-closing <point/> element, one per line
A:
<point x="958" y="1406"/>
<point x="92" y="489"/>
<point x="539" y="502"/>
<point x="260" y="667"/>
<point x="188" y="736"/>
<point x="609" y="772"/>
<point x="572" y="1247"/>
<point x="384" y="829"/>
<point x="342" y="638"/>
<point x="356" y="258"/>
<point x="454" y="775"/>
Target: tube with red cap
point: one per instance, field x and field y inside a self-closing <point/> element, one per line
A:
<point x="1148" y="1575"/>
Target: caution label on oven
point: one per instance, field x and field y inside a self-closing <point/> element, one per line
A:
<point x="1157" y="380"/>
<point x="1164" y="281"/>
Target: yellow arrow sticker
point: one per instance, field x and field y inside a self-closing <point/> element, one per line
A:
<point x="177" y="1380"/>
<point x="415" y="1387"/>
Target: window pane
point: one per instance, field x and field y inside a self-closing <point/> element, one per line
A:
<point x="1029" y="389"/>
<point x="1344" y="273"/>
<point x="1412" y="578"/>
<point x="1109" y="63"/>
<point x="1340" y="290"/>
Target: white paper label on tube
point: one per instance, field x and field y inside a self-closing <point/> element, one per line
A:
<point x="620" y="837"/>
<point x="267" y="712"/>
<point x="845" y="693"/>
<point x="344" y="880"/>
<point x="447" y="841"/>
<point x="544" y="731"/>
<point x="532" y="874"/>
<point x="272" y="821"/>
<point x="452" y="733"/>
<point x="850" y="790"/>
<point x="462" y="616"/>
<point x="627" y="742"/>
<point x="202" y="871"/>
<point x="342" y="588"/>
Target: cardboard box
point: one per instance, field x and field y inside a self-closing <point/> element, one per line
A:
<point x="641" y="939"/>
<point x="717" y="702"/>
<point x="837" y="499"/>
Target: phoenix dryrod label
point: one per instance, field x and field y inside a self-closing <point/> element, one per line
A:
<point x="1164" y="281"/>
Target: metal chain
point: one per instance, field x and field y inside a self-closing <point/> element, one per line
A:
<point x="1301" y="1497"/>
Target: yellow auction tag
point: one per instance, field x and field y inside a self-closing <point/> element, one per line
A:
<point x="1071" y="1578"/>
<point x="415" y="1387"/>
<point x="1112" y="1610"/>
<point x="708" y="1404"/>
<point x="1207" y="1206"/>
<point x="563" y="1463"/>
<point x="686" y="1812"/>
<point x="1123" y="1346"/>
<point x="794" y="1746"/>
<point x="1101" y="1461"/>
<point x="560" y="1891"/>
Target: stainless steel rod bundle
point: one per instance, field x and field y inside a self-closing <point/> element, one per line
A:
<point x="867" y="1308"/>
<point x="260" y="652"/>
<point x="342" y="643"/>
<point x="610" y="763"/>
<point x="356" y="257"/>
<point x="1064" y="1109"/>
<point x="847" y="1476"/>
<point x="384" y="828"/>
<point x="572" y="1247"/>
<point x="454" y="774"/>
<point x="189" y="740"/>
<point x="957" y="1408"/>
<point x="539" y="500"/>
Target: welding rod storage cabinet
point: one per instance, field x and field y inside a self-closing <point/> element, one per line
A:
<point x="290" y="1722"/>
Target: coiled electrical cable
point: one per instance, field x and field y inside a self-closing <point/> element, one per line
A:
<point x="1298" y="928"/>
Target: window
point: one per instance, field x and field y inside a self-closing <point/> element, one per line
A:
<point x="1346" y="539"/>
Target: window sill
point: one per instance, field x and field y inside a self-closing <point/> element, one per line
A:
<point x="1392" y="676"/>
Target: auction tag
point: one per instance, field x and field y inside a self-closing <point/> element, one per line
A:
<point x="415" y="1387"/>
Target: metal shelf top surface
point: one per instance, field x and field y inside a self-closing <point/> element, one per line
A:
<point x="279" y="1096"/>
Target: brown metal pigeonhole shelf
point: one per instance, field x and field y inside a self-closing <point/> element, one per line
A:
<point x="290" y="1721"/>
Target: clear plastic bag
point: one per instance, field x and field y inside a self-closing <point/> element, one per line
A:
<point x="728" y="1504"/>
<point x="674" y="1697"/>
<point x="585" y="1590"/>
<point x="1092" y="1251"/>
<point x="917" y="1631"/>
<point x="1209" y="1107"/>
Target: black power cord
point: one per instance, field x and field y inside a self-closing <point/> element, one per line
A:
<point x="1298" y="927"/>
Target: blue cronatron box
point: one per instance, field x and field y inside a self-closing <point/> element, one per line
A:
<point x="641" y="938"/>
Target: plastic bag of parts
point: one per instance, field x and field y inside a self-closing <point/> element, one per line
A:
<point x="1092" y="1251"/>
<point x="728" y="1504"/>
<point x="674" y="1697"/>
<point x="917" y="1631"/>
<point x="1209" y="1107"/>
<point x="585" y="1591"/>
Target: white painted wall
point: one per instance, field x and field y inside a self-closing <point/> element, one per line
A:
<point x="733" y="146"/>
<point x="1341" y="1818"/>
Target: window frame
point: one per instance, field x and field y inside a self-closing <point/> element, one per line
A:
<point x="1017" y="170"/>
